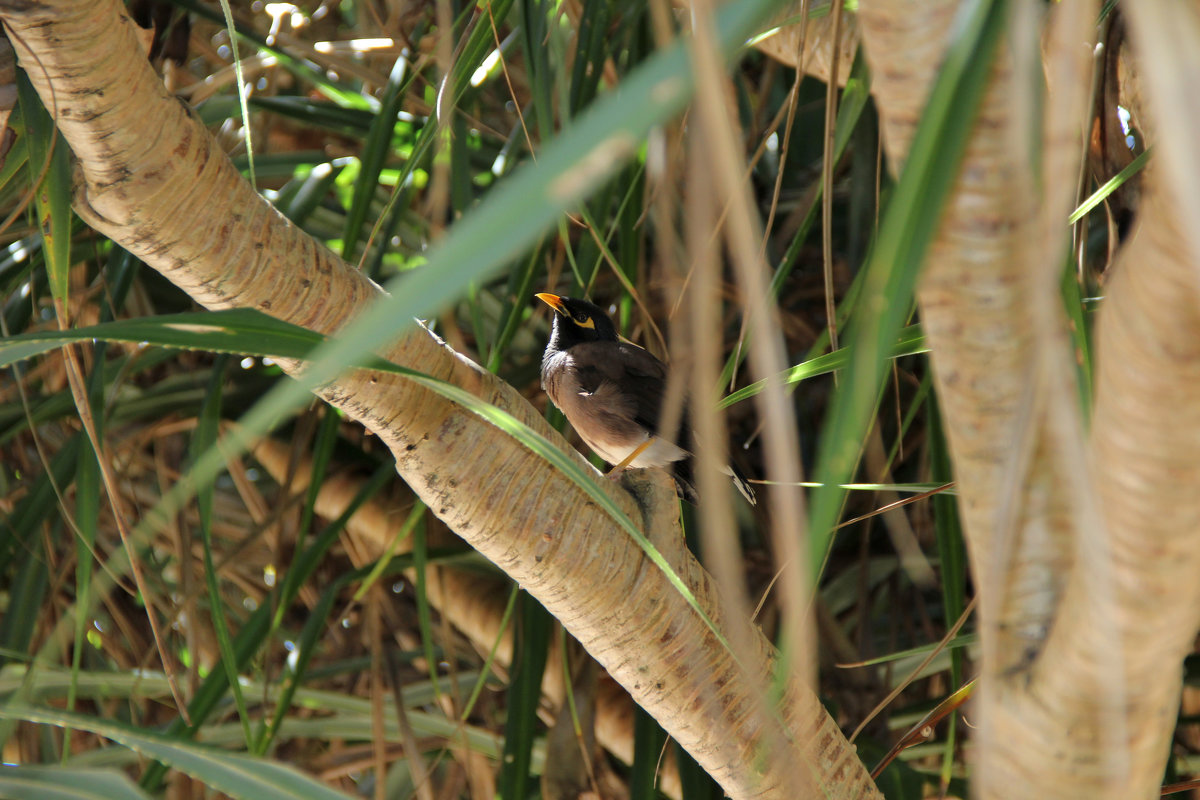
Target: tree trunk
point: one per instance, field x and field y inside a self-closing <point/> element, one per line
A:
<point x="1083" y="553"/>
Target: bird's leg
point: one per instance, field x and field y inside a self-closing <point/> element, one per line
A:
<point x="629" y="459"/>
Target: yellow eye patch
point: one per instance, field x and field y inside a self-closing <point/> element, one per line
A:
<point x="584" y="321"/>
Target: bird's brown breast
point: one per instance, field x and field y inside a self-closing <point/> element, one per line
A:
<point x="601" y="401"/>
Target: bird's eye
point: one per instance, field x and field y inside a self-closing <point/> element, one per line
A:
<point x="582" y="319"/>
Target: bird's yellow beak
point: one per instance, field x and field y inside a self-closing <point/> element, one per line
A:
<point x="552" y="300"/>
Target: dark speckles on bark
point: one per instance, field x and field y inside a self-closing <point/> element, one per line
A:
<point x="119" y="175"/>
<point x="185" y="144"/>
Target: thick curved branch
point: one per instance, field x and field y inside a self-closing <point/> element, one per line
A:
<point x="979" y="309"/>
<point x="1104" y="695"/>
<point x="1074" y="549"/>
<point x="154" y="181"/>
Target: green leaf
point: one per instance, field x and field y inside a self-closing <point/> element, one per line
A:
<point x="1100" y="195"/>
<point x="241" y="331"/>
<point x="374" y="151"/>
<point x="50" y="165"/>
<point x="207" y="427"/>
<point x="648" y="741"/>
<point x="66" y="783"/>
<point x="236" y="775"/>
<point x="909" y="342"/>
<point x="531" y="641"/>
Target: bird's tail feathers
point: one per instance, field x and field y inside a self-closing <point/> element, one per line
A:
<point x="742" y="483"/>
<point x="685" y="483"/>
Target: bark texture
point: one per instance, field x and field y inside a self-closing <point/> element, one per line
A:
<point x="975" y="310"/>
<point x="1079" y="550"/>
<point x="153" y="180"/>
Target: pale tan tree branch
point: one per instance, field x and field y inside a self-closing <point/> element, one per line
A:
<point x="1081" y="551"/>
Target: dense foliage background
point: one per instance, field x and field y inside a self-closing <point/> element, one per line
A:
<point x="376" y="127"/>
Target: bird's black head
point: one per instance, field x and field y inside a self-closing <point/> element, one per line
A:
<point x="577" y="321"/>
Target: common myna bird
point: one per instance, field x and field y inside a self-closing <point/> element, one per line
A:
<point x="612" y="393"/>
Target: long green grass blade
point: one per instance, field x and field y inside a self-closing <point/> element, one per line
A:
<point x="374" y="153"/>
<point x="952" y="556"/>
<point x="232" y="331"/>
<point x="1080" y="323"/>
<point x="649" y="739"/>
<point x="50" y="165"/>
<point x="909" y="341"/>
<point x="486" y="670"/>
<point x="243" y="107"/>
<point x="530" y="647"/>
<point x="1111" y="185"/>
<point x="420" y="554"/>
<point x="87" y="516"/>
<point x="30" y="782"/>
<point x="238" y="776"/>
<point x="204" y="437"/>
